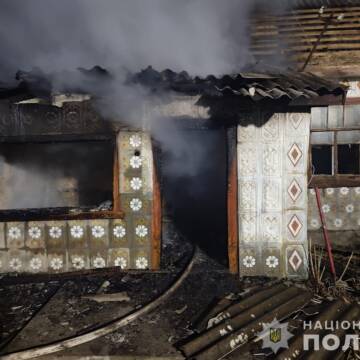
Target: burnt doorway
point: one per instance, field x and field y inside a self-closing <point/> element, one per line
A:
<point x="194" y="188"/>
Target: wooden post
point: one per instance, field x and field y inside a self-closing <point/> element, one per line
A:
<point x="156" y="220"/>
<point x="116" y="190"/>
<point x="232" y="203"/>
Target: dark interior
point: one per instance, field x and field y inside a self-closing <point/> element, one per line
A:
<point x="194" y="188"/>
<point x="56" y="174"/>
<point x="348" y="159"/>
<point x="321" y="159"/>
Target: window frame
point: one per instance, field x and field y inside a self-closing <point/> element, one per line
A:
<point x="336" y="179"/>
<point x="48" y="214"/>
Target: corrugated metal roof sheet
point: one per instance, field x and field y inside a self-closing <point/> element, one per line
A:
<point x="257" y="86"/>
<point x="273" y="85"/>
<point x="235" y="327"/>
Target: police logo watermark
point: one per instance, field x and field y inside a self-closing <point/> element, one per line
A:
<point x="275" y="335"/>
<point x="331" y="341"/>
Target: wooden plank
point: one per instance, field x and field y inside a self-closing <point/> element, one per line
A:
<point x="301" y="21"/>
<point x="279" y="39"/>
<point x="314" y="14"/>
<point x="326" y="10"/>
<point x="336" y="129"/>
<point x="335" y="156"/>
<point x="232" y="203"/>
<point x="319" y="48"/>
<point x="331" y="64"/>
<point x="26" y="215"/>
<point x="156" y="221"/>
<point x="297" y="27"/>
<point x="310" y="13"/>
<point x="326" y="181"/>
<point x="342" y="61"/>
<point x="304" y="34"/>
<point x="319" y="117"/>
<point x="116" y="176"/>
<point x="309" y="23"/>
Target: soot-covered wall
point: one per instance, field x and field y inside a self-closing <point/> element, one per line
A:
<point x="69" y="245"/>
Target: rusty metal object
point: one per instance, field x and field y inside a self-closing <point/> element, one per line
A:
<point x="325" y="233"/>
<point x="235" y="316"/>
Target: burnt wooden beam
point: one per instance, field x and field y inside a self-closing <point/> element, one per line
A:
<point x="328" y="181"/>
<point x="336" y="129"/>
<point x="323" y="100"/>
<point x="232" y="196"/>
<point x="57" y="138"/>
<point x="116" y="175"/>
<point x="352" y="101"/>
<point x="156" y="217"/>
<point x="51" y="214"/>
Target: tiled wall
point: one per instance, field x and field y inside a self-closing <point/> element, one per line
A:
<point x="272" y="196"/>
<point x="341" y="207"/>
<point x="60" y="246"/>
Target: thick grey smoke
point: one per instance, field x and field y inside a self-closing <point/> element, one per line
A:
<point x="199" y="36"/>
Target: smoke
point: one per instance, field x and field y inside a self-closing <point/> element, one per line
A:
<point x="55" y="174"/>
<point x="199" y="36"/>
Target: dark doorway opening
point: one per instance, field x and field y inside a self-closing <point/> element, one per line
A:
<point x="194" y="188"/>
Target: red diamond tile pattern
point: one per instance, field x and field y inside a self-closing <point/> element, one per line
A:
<point x="295" y="260"/>
<point x="294" y="154"/>
<point x="295" y="225"/>
<point x="294" y="190"/>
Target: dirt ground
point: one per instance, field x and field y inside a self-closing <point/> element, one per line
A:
<point x="39" y="313"/>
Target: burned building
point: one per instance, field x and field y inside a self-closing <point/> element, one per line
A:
<point x="207" y="213"/>
<point x="99" y="200"/>
<point x="77" y="191"/>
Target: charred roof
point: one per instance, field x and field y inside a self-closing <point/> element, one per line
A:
<point x="255" y="86"/>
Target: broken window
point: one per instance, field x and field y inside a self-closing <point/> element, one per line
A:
<point x="348" y="159"/>
<point x="335" y="146"/>
<point x="76" y="174"/>
<point x="335" y="153"/>
<point x="321" y="159"/>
